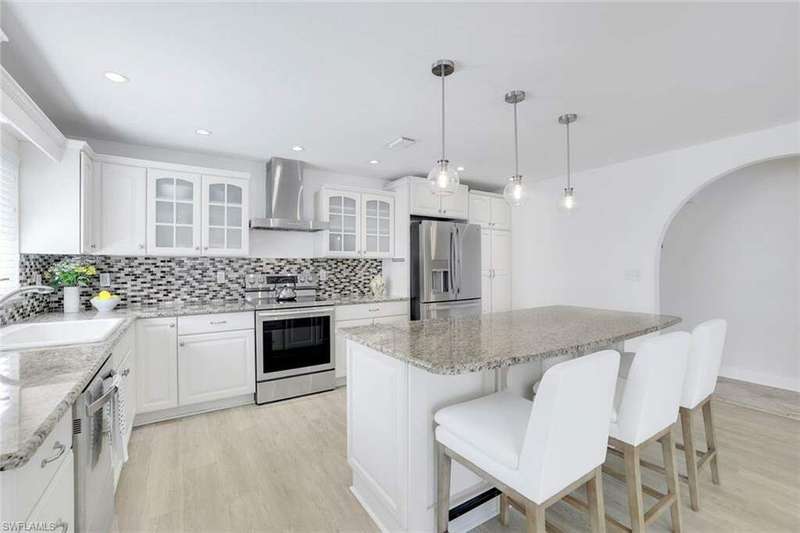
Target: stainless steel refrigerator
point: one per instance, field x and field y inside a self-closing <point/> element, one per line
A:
<point x="445" y="269"/>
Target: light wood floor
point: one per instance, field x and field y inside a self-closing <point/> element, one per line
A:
<point x="760" y="397"/>
<point x="282" y="468"/>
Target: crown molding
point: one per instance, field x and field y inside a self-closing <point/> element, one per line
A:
<point x="19" y="111"/>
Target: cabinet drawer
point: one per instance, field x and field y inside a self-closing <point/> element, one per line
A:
<point x="189" y="325"/>
<point x="359" y="311"/>
<point x="32" y="479"/>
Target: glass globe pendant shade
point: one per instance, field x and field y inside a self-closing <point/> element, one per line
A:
<point x="567" y="202"/>
<point x="516" y="192"/>
<point x="443" y="179"/>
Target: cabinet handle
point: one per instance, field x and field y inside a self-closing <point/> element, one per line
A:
<point x="197" y="248"/>
<point x="172" y="325"/>
<point x="181" y="343"/>
<point x="444" y="211"/>
<point x="205" y="247"/>
<point x="141" y="246"/>
<point x="60" y="449"/>
<point x="125" y="372"/>
<point x="374" y="309"/>
<point x="218" y="322"/>
<point x="62" y="525"/>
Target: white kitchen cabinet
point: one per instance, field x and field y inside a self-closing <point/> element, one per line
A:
<point x="225" y="216"/>
<point x="424" y="203"/>
<point x="361" y="223"/>
<point x="156" y="364"/>
<point x="495" y="270"/>
<point x="213" y="366"/>
<point x="127" y="373"/>
<point x="348" y="316"/>
<point x="489" y="210"/>
<point x="57" y="201"/>
<point x="174" y="212"/>
<point x="122" y="191"/>
<point x="57" y="505"/>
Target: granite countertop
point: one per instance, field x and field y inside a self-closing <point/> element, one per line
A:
<point x="365" y="299"/>
<point x="495" y="340"/>
<point x="38" y="386"/>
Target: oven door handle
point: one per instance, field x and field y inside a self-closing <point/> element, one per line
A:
<point x="98" y="404"/>
<point x="265" y="316"/>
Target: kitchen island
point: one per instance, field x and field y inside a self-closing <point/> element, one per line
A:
<point x="400" y="374"/>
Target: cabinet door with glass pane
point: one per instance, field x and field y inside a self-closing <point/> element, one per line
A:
<point x="173" y="212"/>
<point x="225" y="219"/>
<point x="343" y="213"/>
<point x="378" y="229"/>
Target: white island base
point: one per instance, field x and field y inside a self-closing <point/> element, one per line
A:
<point x="390" y="446"/>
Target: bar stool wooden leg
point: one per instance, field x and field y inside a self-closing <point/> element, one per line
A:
<point x="691" y="457"/>
<point x="711" y="441"/>
<point x="671" y="471"/>
<point x="504" y="509"/>
<point x="443" y="466"/>
<point x="633" y="479"/>
<point x="594" y="497"/>
<point x="534" y="515"/>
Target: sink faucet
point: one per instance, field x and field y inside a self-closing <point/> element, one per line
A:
<point x="14" y="296"/>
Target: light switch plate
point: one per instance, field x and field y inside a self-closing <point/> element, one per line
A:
<point x="323" y="275"/>
<point x="105" y="279"/>
<point x="221" y="276"/>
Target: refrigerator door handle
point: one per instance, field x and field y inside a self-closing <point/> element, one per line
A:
<point x="459" y="258"/>
<point x="452" y="263"/>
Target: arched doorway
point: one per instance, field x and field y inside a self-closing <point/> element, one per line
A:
<point x="733" y="251"/>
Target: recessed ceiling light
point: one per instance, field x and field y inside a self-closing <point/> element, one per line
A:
<point x="202" y="131"/>
<point x="374" y="162"/>
<point x="460" y="169"/>
<point x="116" y="77"/>
<point x="297" y="148"/>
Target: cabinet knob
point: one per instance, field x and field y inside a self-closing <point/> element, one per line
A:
<point x="172" y="325"/>
<point x="181" y="344"/>
<point x="141" y="246"/>
<point x="196" y="247"/>
<point x="205" y="247"/>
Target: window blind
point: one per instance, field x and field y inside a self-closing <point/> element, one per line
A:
<point x="9" y="221"/>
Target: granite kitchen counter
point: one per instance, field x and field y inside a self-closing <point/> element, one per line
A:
<point x="39" y="386"/>
<point x="495" y="340"/>
<point x="365" y="299"/>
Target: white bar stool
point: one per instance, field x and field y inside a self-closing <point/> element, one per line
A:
<point x="647" y="408"/>
<point x="534" y="452"/>
<point x="702" y="371"/>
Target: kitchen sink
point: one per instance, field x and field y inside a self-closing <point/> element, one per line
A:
<point x="41" y="334"/>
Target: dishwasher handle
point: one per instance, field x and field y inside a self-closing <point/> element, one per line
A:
<point x="98" y="404"/>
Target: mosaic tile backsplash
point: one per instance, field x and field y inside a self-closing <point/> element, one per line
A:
<point x="153" y="280"/>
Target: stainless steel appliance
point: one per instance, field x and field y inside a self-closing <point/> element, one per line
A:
<point x="294" y="338"/>
<point x="284" y="202"/>
<point x="445" y="269"/>
<point x="91" y="444"/>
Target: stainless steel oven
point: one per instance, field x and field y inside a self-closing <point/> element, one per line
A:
<point x="294" y="352"/>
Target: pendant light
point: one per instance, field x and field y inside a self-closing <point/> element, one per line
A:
<point x="515" y="192"/>
<point x="443" y="179"/>
<point x="567" y="201"/>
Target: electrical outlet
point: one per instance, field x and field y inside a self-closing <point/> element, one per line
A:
<point x="105" y="279"/>
<point x="633" y="274"/>
<point x="37" y="279"/>
<point x="323" y="274"/>
<point x="221" y="276"/>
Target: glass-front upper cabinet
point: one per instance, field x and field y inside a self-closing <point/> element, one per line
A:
<point x="225" y="218"/>
<point x="361" y="223"/>
<point x="378" y="225"/>
<point x="343" y="212"/>
<point x="173" y="213"/>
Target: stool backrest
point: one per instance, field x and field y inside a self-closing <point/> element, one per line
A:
<point x="653" y="387"/>
<point x="705" y="358"/>
<point x="567" y="431"/>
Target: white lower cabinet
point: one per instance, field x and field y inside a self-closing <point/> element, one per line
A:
<point x="56" y="508"/>
<point x="348" y="316"/>
<point x="156" y="364"/>
<point x="495" y="270"/>
<point x="213" y="366"/>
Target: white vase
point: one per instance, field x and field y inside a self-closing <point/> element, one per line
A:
<point x="72" y="299"/>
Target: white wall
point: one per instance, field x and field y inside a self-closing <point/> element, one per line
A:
<point x="606" y="254"/>
<point x="733" y="252"/>
<point x="262" y="243"/>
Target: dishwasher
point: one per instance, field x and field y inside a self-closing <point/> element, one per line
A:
<point x="91" y="444"/>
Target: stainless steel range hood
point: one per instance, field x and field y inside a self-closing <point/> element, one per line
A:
<point x="285" y="199"/>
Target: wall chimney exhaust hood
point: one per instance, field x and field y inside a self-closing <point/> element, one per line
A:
<point x="285" y="199"/>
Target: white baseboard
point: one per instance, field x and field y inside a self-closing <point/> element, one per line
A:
<point x="761" y="378"/>
<point x="194" y="409"/>
<point x="474" y="518"/>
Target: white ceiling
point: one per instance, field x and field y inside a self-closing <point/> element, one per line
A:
<point x="342" y="80"/>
